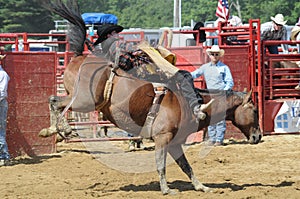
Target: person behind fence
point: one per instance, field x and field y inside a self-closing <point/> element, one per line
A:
<point x="4" y="79"/>
<point x="217" y="76"/>
<point x="129" y="57"/>
<point x="234" y="21"/>
<point x="215" y="41"/>
<point x="275" y="30"/>
<point x="295" y="36"/>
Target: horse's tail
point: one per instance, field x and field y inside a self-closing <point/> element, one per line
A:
<point x="77" y="29"/>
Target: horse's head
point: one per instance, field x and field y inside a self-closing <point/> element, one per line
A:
<point x="246" y="118"/>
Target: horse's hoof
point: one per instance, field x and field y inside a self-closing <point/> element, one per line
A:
<point x="47" y="132"/>
<point x="207" y="189"/>
<point x="171" y="192"/>
<point x="201" y="187"/>
<point x="131" y="148"/>
<point x="44" y="133"/>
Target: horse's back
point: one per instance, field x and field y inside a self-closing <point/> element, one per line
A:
<point x="84" y="80"/>
<point x="133" y="99"/>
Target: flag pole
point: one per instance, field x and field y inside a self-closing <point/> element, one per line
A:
<point x="228" y="12"/>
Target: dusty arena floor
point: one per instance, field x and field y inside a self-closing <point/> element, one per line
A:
<point x="270" y="169"/>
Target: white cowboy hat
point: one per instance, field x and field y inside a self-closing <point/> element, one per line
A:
<point x="295" y="31"/>
<point x="279" y="19"/>
<point x="215" y="49"/>
<point x="235" y="21"/>
<point x="2" y="57"/>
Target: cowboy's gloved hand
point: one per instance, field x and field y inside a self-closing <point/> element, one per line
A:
<point x="125" y="62"/>
<point x="137" y="53"/>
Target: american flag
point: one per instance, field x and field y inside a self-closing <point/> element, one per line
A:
<point x="223" y="9"/>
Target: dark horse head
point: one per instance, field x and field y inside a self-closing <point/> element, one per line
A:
<point x="236" y="107"/>
<point x="246" y="119"/>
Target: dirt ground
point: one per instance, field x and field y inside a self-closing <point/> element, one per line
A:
<point x="270" y="169"/>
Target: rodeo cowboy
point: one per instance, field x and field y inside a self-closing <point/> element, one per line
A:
<point x="155" y="61"/>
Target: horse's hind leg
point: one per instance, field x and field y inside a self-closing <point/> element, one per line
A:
<point x="56" y="104"/>
<point x="178" y="155"/>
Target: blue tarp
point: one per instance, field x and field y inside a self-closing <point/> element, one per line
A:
<point x="99" y="18"/>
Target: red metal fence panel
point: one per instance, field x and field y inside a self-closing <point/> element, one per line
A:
<point x="32" y="81"/>
<point x="237" y="58"/>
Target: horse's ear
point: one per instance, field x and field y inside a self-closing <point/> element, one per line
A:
<point x="247" y="97"/>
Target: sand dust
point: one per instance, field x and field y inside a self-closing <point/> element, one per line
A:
<point x="270" y="169"/>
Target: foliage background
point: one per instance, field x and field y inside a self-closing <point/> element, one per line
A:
<point x="30" y="16"/>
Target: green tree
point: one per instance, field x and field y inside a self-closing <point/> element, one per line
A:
<point x="23" y="16"/>
<point x="147" y="14"/>
<point x="30" y="16"/>
<point x="198" y="10"/>
<point x="93" y="6"/>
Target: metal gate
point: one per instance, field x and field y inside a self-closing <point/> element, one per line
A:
<point x="278" y="88"/>
<point x="32" y="81"/>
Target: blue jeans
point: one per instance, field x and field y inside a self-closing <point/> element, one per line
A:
<point x="273" y="49"/>
<point x="3" y="119"/>
<point x="216" y="132"/>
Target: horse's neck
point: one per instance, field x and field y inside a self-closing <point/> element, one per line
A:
<point x="226" y="102"/>
<point x="80" y="61"/>
<point x="233" y="100"/>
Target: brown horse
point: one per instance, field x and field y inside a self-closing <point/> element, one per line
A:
<point x="287" y="65"/>
<point x="93" y="84"/>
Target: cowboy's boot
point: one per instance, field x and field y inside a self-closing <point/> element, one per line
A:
<point x="186" y="82"/>
<point x="200" y="109"/>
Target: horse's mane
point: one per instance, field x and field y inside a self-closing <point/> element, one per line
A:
<point x="71" y="12"/>
<point x="236" y="97"/>
<point x="218" y="92"/>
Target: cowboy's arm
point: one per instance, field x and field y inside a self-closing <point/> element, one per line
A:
<point x="197" y="73"/>
<point x="266" y="34"/>
<point x="265" y="31"/>
<point x="285" y="47"/>
<point x="228" y="79"/>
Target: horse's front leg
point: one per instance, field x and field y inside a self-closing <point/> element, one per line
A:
<point x="178" y="155"/>
<point x="57" y="103"/>
<point x="161" y="144"/>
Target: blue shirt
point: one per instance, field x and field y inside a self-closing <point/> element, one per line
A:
<point x="217" y="76"/>
<point x="4" y="78"/>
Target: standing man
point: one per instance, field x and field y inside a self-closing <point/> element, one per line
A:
<point x="275" y="30"/>
<point x="217" y="76"/>
<point x="4" y="78"/>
